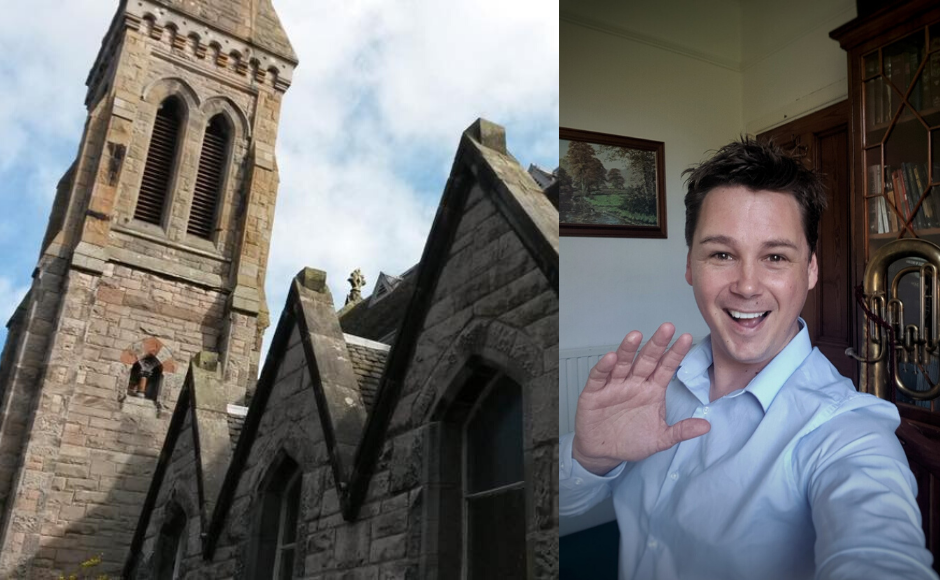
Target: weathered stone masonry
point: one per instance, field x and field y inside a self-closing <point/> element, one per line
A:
<point x="378" y="494"/>
<point x="366" y="403"/>
<point x="76" y="454"/>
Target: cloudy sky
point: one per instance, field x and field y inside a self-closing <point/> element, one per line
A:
<point x="368" y="132"/>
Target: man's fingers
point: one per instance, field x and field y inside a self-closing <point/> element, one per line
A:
<point x="669" y="362"/>
<point x="652" y="351"/>
<point x="685" y="430"/>
<point x="600" y="373"/>
<point x="625" y="355"/>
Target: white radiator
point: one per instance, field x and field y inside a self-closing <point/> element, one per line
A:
<point x="573" y="367"/>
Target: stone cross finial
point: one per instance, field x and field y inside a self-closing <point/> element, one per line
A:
<point x="357" y="281"/>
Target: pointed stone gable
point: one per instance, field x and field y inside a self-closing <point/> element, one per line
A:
<point x="210" y="429"/>
<point x="309" y="341"/>
<point x="342" y="412"/>
<point x="473" y="238"/>
<point x="380" y="489"/>
<point x="195" y="455"/>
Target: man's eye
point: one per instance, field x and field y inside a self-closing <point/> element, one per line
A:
<point x="721" y="256"/>
<point x="777" y="258"/>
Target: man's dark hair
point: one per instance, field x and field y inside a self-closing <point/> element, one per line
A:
<point x="756" y="165"/>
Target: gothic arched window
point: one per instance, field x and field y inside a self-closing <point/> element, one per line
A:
<point x="209" y="178"/>
<point x="171" y="545"/>
<point x="478" y="480"/>
<point x="146" y="375"/>
<point x="275" y="540"/>
<point x="161" y="156"/>
<point x="494" y="484"/>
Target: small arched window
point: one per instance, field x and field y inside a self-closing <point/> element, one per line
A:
<point x="275" y="542"/>
<point x="146" y="376"/>
<point x="209" y="178"/>
<point x="158" y="169"/>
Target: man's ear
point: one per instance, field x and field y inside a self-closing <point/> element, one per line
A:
<point x="812" y="271"/>
<point x="688" y="267"/>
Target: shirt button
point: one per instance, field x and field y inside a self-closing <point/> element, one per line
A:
<point x="705" y="411"/>
<point x="578" y="481"/>
<point x="652" y="543"/>
<point x="674" y="476"/>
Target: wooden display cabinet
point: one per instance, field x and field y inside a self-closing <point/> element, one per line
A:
<point x="894" y="95"/>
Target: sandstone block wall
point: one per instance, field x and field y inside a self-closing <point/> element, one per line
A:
<point x="76" y="455"/>
<point x="492" y="303"/>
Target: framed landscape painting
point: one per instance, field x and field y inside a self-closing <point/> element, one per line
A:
<point x="610" y="186"/>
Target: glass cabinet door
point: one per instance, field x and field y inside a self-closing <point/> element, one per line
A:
<point x="901" y="101"/>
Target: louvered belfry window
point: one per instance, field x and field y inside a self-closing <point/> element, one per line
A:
<point x="209" y="179"/>
<point x="159" y="166"/>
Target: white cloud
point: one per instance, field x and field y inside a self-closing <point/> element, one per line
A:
<point x="45" y="62"/>
<point x="381" y="84"/>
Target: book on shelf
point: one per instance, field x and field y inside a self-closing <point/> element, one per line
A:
<point x="874" y="179"/>
<point x="931" y="207"/>
<point x="878" y="215"/>
<point x="915" y="214"/>
<point x="884" y="225"/>
<point x="874" y="216"/>
<point x="877" y="208"/>
<point x="922" y="215"/>
<point x="893" y="210"/>
<point x="900" y="197"/>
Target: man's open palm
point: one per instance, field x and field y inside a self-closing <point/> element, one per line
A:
<point x="622" y="410"/>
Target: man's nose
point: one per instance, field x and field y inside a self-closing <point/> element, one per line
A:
<point x="747" y="281"/>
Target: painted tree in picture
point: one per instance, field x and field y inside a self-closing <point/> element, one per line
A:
<point x="606" y="184"/>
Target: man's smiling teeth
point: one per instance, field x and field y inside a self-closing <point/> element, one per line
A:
<point x="745" y="315"/>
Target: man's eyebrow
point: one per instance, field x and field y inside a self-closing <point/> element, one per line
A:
<point x="781" y="244"/>
<point x="727" y="241"/>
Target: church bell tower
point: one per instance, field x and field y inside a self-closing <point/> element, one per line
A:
<point x="156" y="249"/>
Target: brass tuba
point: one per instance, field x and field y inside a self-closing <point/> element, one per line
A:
<point x="883" y="350"/>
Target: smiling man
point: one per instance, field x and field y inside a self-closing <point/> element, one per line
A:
<point x="748" y="456"/>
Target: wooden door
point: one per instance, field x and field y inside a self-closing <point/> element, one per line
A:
<point x="821" y="140"/>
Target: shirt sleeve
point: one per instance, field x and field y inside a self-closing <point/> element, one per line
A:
<point x="579" y="489"/>
<point x="863" y="497"/>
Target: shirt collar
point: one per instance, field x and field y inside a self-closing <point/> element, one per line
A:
<point x="693" y="372"/>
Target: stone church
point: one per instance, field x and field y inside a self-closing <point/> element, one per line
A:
<point x="409" y="434"/>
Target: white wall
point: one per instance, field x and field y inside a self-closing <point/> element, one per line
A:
<point x="694" y="74"/>
<point x="615" y="84"/>
<point x="791" y="66"/>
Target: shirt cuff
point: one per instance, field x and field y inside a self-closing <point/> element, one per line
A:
<point x="572" y="474"/>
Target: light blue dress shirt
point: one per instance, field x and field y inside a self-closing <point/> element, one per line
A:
<point x="800" y="477"/>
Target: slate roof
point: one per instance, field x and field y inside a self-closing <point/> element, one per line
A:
<point x="380" y="320"/>
<point x="368" y="364"/>
<point x="542" y="177"/>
